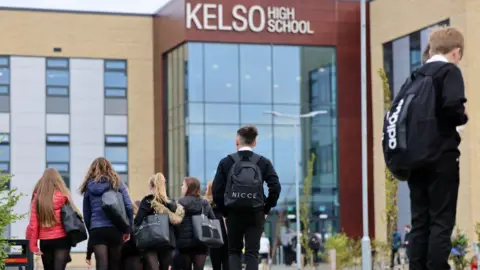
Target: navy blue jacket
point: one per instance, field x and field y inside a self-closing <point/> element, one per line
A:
<point x="92" y="204"/>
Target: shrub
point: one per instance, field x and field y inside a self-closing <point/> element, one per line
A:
<point x="459" y="252"/>
<point x="348" y="250"/>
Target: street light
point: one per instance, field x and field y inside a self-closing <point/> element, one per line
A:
<point x="297" y="171"/>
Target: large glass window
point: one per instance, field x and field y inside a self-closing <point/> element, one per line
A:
<point x="58" y="155"/>
<point x="58" y="77"/>
<point x="255" y="74"/>
<point x="221" y="67"/>
<point x="5" y="156"/>
<point x="116" y="151"/>
<point x="4" y="75"/>
<point x="286" y="74"/>
<point x="115" y="78"/>
<point x="219" y="142"/>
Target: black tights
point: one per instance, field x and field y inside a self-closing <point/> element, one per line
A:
<point x="107" y="258"/>
<point x="132" y="263"/>
<point x="189" y="259"/>
<point x="55" y="259"/>
<point x="158" y="259"/>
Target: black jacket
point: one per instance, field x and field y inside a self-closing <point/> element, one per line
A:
<point x="269" y="175"/>
<point x="184" y="231"/>
<point x="175" y="213"/>
<point x="448" y="81"/>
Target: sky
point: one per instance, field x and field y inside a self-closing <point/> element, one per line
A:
<point x="117" y="6"/>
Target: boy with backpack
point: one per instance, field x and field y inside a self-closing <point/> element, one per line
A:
<point x="420" y="144"/>
<point x="238" y="193"/>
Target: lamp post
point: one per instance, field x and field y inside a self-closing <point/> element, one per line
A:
<point x="297" y="171"/>
<point x="366" y="244"/>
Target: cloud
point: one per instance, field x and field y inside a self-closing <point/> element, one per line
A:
<point x="116" y="6"/>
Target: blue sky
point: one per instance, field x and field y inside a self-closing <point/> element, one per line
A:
<point x="122" y="6"/>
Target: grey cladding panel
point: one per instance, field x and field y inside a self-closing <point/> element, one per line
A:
<point x="116" y="106"/>
<point x="58" y="105"/>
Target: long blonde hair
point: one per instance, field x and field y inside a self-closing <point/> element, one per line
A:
<point x="209" y="192"/>
<point x="44" y="191"/>
<point x="100" y="169"/>
<point x="158" y="186"/>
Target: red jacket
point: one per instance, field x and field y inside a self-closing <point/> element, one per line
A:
<point x="38" y="232"/>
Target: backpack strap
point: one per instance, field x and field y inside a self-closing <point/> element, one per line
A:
<point x="255" y="158"/>
<point x="235" y="156"/>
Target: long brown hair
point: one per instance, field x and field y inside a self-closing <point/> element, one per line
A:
<point x="44" y="191"/>
<point x="209" y="192"/>
<point x="100" y="169"/>
<point x="157" y="185"/>
<point x="193" y="187"/>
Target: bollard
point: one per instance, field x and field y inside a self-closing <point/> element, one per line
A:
<point x="19" y="255"/>
<point x="332" y="254"/>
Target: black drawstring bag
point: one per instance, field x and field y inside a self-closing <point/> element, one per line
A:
<point x="154" y="231"/>
<point x="207" y="231"/>
<point x="73" y="225"/>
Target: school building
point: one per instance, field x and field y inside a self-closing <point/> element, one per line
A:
<point x="399" y="33"/>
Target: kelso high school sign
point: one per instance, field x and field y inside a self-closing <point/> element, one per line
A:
<point x="255" y="18"/>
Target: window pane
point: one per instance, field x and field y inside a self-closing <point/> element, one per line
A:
<point x="116" y="154"/>
<point x="265" y="141"/>
<point x="256" y="73"/>
<point x="4" y="167"/>
<point x="115" y="79"/>
<point x="286" y="74"/>
<point x="124" y="178"/>
<point x="116" y="139"/>
<point x="284" y="143"/>
<point x="4" y="76"/>
<point x="255" y="114"/>
<point x="222" y="113"/>
<point x="110" y="92"/>
<point x="57" y="63"/>
<point x="3" y="61"/>
<point x="194" y="72"/>
<point x="219" y="142"/>
<point x="58" y="77"/>
<point x="57" y="91"/>
<point x="61" y="167"/>
<point x="115" y="64"/>
<point x="3" y="89"/>
<point x="195" y="112"/>
<point x="58" y="153"/>
<point x="288" y="110"/>
<point x="58" y="138"/>
<point x="119" y="168"/>
<point x="221" y="72"/>
<point x="196" y="152"/>
<point x="4" y="152"/>
<point x="4" y="138"/>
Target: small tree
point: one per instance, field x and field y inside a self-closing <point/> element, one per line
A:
<point x="305" y="209"/>
<point x="459" y="251"/>
<point x="8" y="200"/>
<point x="391" y="184"/>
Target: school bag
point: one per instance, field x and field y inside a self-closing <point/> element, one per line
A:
<point x="411" y="137"/>
<point x="244" y="188"/>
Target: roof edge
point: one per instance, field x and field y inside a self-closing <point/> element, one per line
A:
<point x="77" y="11"/>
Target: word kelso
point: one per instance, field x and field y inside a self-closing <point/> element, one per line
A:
<point x="255" y="18"/>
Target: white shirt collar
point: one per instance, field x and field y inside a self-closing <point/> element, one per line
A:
<point x="437" y="58"/>
<point x="245" y="148"/>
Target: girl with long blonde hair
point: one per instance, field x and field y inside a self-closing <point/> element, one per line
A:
<point x="106" y="239"/>
<point x="49" y="195"/>
<point x="157" y="202"/>
<point x="218" y="256"/>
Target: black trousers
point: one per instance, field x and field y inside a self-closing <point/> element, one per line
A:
<point x="219" y="256"/>
<point x="433" y="195"/>
<point x="246" y="225"/>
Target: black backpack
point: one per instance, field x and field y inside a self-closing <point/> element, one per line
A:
<point x="411" y="136"/>
<point x="314" y="243"/>
<point x="244" y="187"/>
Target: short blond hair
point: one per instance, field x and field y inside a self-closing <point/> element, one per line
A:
<point x="443" y="40"/>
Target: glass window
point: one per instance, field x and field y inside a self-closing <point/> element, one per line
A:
<point x="58" y="153"/>
<point x="58" y="138"/>
<point x="4" y="167"/>
<point x="194" y="72"/>
<point x="115" y="92"/>
<point x="219" y="142"/>
<point x="4" y="138"/>
<point x="4" y="61"/>
<point x="284" y="143"/>
<point x="4" y="152"/>
<point x="196" y="151"/>
<point x="221" y="72"/>
<point x="57" y="91"/>
<point x="415" y="51"/>
<point x="124" y="177"/>
<point x="116" y="153"/>
<point x="115" y="139"/>
<point x="321" y="86"/>
<point x="288" y="110"/>
<point x="115" y="64"/>
<point x="119" y="168"/>
<point x="57" y="63"/>
<point x="3" y="89"/>
<point x="286" y="74"/>
<point x="256" y="73"/>
<point x="265" y="141"/>
<point x="61" y="167"/>
<point x="222" y="113"/>
<point x="4" y="75"/>
<point x="58" y="77"/>
<point x="115" y="79"/>
<point x="325" y="158"/>
<point x="194" y="112"/>
<point x="255" y="114"/>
